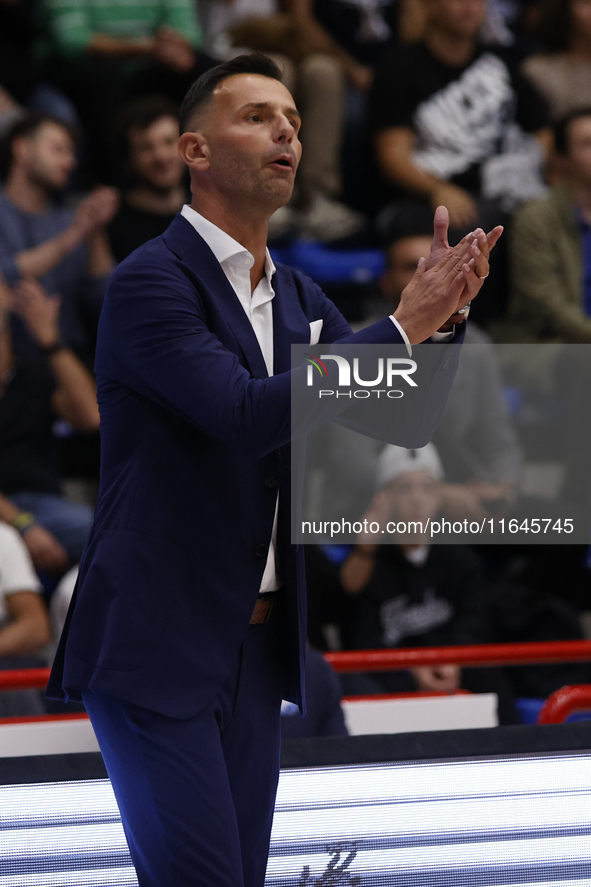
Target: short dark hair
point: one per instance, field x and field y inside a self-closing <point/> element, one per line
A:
<point x="561" y="128"/>
<point x="140" y="114"/>
<point x="27" y="126"/>
<point x="201" y="91"/>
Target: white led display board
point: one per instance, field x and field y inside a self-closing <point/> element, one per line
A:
<point x="478" y="822"/>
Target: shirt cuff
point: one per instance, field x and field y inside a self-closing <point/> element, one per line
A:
<point x="436" y="337"/>
<point x="403" y="334"/>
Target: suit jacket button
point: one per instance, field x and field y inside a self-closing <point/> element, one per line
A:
<point x="271" y="482"/>
<point x="261" y="551"/>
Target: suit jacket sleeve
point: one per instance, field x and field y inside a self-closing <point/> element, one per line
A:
<point x="155" y="339"/>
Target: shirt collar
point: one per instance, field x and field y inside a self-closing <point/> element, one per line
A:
<point x="221" y="244"/>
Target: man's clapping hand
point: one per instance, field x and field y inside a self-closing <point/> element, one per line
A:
<point x="445" y="282"/>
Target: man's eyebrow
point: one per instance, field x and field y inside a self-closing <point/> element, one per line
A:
<point x="260" y="106"/>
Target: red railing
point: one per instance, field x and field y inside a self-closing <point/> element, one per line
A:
<point x="472" y="656"/>
<point x="556" y="709"/>
<point x="24" y="679"/>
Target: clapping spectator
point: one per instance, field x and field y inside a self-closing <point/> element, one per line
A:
<point x="40" y="378"/>
<point x="157" y="176"/>
<point x="66" y="251"/>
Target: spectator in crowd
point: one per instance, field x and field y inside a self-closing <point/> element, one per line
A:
<point x="156" y="173"/>
<point x="104" y="54"/>
<point x="550" y="246"/>
<point x="24" y="623"/>
<point x="40" y="378"/>
<point x="20" y="85"/>
<point x="324" y="715"/>
<point x="455" y="124"/>
<point x="315" y="75"/>
<point x="563" y="74"/>
<point x="412" y="593"/>
<point x="66" y="251"/>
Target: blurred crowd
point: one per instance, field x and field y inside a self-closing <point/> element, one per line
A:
<point x="484" y="107"/>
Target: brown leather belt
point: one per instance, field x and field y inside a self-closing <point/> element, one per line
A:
<point x="262" y="610"/>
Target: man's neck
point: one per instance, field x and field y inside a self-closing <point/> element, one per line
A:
<point x="27" y="195"/>
<point x="157" y="202"/>
<point x="248" y="230"/>
<point x="449" y="49"/>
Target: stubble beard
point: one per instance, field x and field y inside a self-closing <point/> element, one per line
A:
<point x="254" y="188"/>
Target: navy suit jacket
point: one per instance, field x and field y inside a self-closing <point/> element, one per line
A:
<point x="195" y="446"/>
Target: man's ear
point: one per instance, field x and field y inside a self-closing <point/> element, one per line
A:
<point x="194" y="149"/>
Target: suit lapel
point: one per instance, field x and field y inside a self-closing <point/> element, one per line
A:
<point x="189" y="246"/>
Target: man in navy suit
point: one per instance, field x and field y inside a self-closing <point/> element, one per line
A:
<point x="188" y="625"/>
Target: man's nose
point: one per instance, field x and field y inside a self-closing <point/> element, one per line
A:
<point x="285" y="131"/>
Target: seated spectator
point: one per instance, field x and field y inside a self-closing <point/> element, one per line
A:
<point x="40" y="379"/>
<point x="24" y="623"/>
<point x="66" y="251"/>
<point x="105" y="54"/>
<point x="455" y="124"/>
<point x="410" y="593"/>
<point x="156" y="173"/>
<point x="324" y="715"/>
<point x="550" y="247"/>
<point x="563" y="74"/>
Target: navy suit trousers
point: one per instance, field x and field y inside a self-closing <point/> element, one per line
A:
<point x="197" y="795"/>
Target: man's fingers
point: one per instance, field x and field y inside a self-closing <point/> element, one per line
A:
<point x="493" y="236"/>
<point x="457" y="286"/>
<point x="440" y="228"/>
